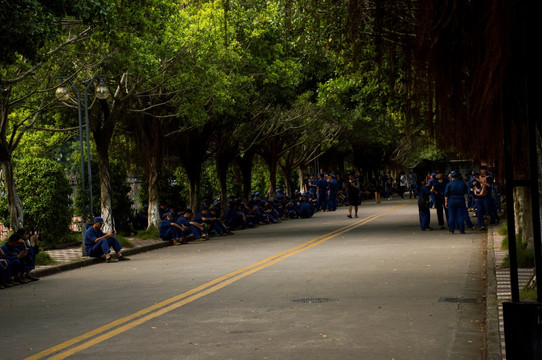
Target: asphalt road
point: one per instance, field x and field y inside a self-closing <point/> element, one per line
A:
<point x="329" y="287"/>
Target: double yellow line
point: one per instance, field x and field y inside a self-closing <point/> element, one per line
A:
<point x="128" y="322"/>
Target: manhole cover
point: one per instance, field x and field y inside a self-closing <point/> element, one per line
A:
<point x="459" y="300"/>
<point x="315" y="301"/>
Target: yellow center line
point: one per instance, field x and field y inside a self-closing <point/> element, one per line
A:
<point x="175" y="302"/>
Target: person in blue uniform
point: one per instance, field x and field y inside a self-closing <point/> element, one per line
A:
<point x="322" y="192"/>
<point x="484" y="202"/>
<point x="304" y="208"/>
<point x="213" y="219"/>
<point x="97" y="243"/>
<point x="5" y="272"/>
<point x="14" y="258"/>
<point x="412" y="179"/>
<point x="424" y="195"/>
<point x="171" y="231"/>
<point x="29" y="243"/>
<point x="471" y="199"/>
<point x="437" y="188"/>
<point x="233" y="219"/>
<point x="454" y="201"/>
<point x="333" y="187"/>
<point x="313" y="185"/>
<point x="198" y="227"/>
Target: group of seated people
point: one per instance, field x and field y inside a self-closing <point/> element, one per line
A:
<point x="18" y="259"/>
<point x="177" y="225"/>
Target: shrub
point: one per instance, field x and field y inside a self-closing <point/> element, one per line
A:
<point x="42" y="258"/>
<point x="45" y="195"/>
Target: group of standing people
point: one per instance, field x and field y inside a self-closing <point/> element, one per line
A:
<point x="447" y="194"/>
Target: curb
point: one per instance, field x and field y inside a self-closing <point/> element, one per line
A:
<point x="492" y="335"/>
<point x="55" y="269"/>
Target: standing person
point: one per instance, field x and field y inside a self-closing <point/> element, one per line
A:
<point x="322" y="192"/>
<point x="424" y="194"/>
<point x="97" y="243"/>
<point x="389" y="185"/>
<point x="438" y="186"/>
<point x="471" y="199"/>
<point x="484" y="202"/>
<point x="383" y="181"/>
<point x="412" y="178"/>
<point x="352" y="190"/>
<point x="376" y="187"/>
<point x="313" y="185"/>
<point x="333" y="186"/>
<point x="402" y="184"/>
<point x="454" y="201"/>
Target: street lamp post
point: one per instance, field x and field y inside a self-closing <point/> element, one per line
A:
<point x="62" y="94"/>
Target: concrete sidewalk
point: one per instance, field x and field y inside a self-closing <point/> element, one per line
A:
<point x="71" y="258"/>
<point x="498" y="291"/>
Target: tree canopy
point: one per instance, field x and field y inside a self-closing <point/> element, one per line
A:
<point x="278" y="84"/>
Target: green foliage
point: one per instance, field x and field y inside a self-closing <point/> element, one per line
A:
<point x="149" y="233"/>
<point x="525" y="257"/>
<point x="503" y="230"/>
<point x="45" y="194"/>
<point x="528" y="293"/>
<point x="26" y="26"/>
<point x="124" y="242"/>
<point x="42" y="258"/>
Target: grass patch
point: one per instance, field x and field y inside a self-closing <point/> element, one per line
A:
<point x="525" y="257"/>
<point x="503" y="230"/>
<point x="125" y="243"/>
<point x="504" y="244"/>
<point x="528" y="293"/>
<point x="150" y="233"/>
<point x="42" y="258"/>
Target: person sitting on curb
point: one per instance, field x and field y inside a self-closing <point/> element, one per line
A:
<point x="16" y="253"/>
<point x="5" y="271"/>
<point x="97" y="243"/>
<point x="194" y="227"/>
<point x="30" y="244"/>
<point x="198" y="226"/>
<point x="171" y="231"/>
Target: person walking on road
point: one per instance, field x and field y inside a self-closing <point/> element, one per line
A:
<point x="352" y="190"/>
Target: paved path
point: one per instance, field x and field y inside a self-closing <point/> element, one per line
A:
<point x="503" y="288"/>
<point x="323" y="288"/>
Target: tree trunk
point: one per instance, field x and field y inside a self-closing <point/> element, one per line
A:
<point x="153" y="175"/>
<point x="272" y="166"/>
<point x="222" y="171"/>
<point x="106" y="194"/>
<point x="523" y="214"/>
<point x="245" y="166"/>
<point x="14" y="202"/>
<point x="301" y="178"/>
<point x="195" y="188"/>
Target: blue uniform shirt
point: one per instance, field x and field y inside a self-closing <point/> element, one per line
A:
<point x="183" y="221"/>
<point x="455" y="188"/>
<point x="91" y="235"/>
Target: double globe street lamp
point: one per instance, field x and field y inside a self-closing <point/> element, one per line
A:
<point x="63" y="94"/>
